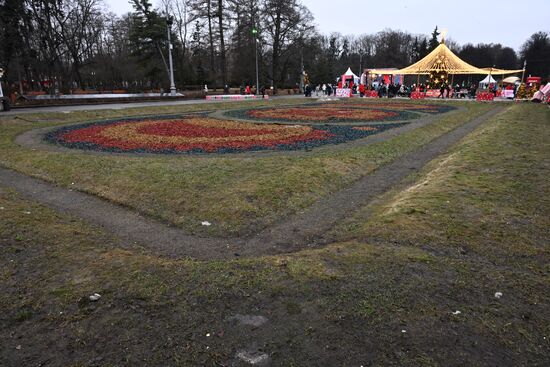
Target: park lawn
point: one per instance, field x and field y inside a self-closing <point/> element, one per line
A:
<point x="474" y="222"/>
<point x="238" y="195"/>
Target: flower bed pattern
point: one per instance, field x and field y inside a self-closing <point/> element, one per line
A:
<point x="320" y="113"/>
<point x="197" y="134"/>
<point x="393" y="106"/>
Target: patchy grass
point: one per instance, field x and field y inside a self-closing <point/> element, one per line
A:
<point x="383" y="296"/>
<point x="238" y="195"/>
<point x="483" y="197"/>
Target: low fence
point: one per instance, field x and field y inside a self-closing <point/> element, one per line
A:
<point x="231" y="97"/>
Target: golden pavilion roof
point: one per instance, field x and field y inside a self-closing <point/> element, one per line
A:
<point x="443" y="59"/>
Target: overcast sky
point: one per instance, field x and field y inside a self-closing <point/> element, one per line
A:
<point x="509" y="22"/>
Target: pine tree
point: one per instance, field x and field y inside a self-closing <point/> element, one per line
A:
<point x="148" y="37"/>
<point x="423" y="50"/>
<point x="434" y="42"/>
<point x="198" y="53"/>
<point x="521" y="93"/>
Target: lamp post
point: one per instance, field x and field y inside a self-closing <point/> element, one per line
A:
<point x="523" y="72"/>
<point x="490" y="77"/>
<point x="4" y="102"/>
<point x="93" y="80"/>
<point x="168" y="26"/>
<point x="361" y="63"/>
<point x="1" y="92"/>
<point x="302" y="72"/>
<point x="255" y="35"/>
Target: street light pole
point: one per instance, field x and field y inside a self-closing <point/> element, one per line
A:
<point x="523" y="72"/>
<point x="255" y="33"/>
<point x="302" y="74"/>
<point x="361" y="63"/>
<point x="172" y="83"/>
<point x="1" y="92"/>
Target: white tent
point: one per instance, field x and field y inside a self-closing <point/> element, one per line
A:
<point x="488" y="80"/>
<point x="511" y="80"/>
<point x="356" y="79"/>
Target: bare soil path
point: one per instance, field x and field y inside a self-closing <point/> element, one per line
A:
<point x="299" y="231"/>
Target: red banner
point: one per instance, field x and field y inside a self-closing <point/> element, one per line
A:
<point x="485" y="96"/>
<point x="343" y="92"/>
<point x="371" y="94"/>
<point x="418" y="95"/>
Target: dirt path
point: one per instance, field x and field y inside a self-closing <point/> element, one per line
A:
<point x="299" y="231"/>
<point x="131" y="227"/>
<point x="306" y="228"/>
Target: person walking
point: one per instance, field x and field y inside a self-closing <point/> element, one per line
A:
<point x="362" y="90"/>
<point x="442" y="92"/>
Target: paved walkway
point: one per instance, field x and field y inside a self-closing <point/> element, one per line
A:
<point x="299" y="231"/>
<point x="120" y="106"/>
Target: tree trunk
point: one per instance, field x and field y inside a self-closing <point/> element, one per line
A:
<point x="182" y="29"/>
<point x="210" y="34"/>
<point x="276" y="51"/>
<point x="76" y="69"/>
<point x="222" y="43"/>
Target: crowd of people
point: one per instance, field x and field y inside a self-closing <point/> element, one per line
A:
<point x="382" y="89"/>
<point x="393" y="90"/>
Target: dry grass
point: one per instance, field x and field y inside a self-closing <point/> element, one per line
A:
<point x="472" y="223"/>
<point x="238" y="195"/>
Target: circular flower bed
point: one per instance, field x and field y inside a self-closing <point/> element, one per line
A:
<point x="197" y="134"/>
<point x="393" y="106"/>
<point x="332" y="113"/>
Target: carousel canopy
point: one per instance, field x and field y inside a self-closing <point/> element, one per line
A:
<point x="443" y="59"/>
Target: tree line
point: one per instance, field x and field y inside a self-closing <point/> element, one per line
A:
<point x="78" y="44"/>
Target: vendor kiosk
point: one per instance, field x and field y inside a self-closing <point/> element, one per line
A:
<point x="346" y="83"/>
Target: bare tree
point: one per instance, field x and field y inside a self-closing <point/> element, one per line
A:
<point x="286" y="22"/>
<point x="79" y="26"/>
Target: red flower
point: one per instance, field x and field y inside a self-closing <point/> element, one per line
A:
<point x="191" y="134"/>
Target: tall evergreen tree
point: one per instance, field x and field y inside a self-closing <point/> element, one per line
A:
<point x="148" y="38"/>
<point x="434" y="41"/>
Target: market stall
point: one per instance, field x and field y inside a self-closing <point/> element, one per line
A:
<point x="485" y="83"/>
<point x="346" y="83"/>
<point x="439" y="65"/>
<point x="509" y="87"/>
<point x="350" y="78"/>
